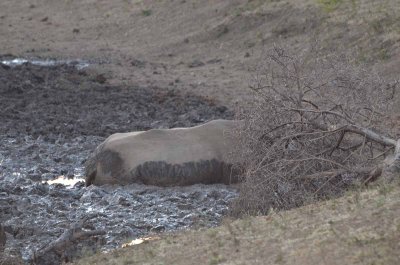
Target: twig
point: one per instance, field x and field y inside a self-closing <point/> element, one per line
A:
<point x="338" y="143"/>
<point x="323" y="112"/>
<point x="316" y="158"/>
<point x="69" y="237"/>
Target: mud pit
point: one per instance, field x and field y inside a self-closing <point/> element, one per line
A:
<point x="51" y="119"/>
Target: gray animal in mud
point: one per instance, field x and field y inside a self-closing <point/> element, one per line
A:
<point x="165" y="157"/>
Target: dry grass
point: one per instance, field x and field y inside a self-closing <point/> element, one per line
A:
<point x="362" y="227"/>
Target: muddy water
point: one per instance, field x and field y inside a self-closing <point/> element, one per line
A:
<point x="79" y="64"/>
<point x="52" y="118"/>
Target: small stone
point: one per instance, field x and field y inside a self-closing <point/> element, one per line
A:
<point x="100" y="78"/>
<point x="196" y="63"/>
<point x="184" y="206"/>
<point x="35" y="177"/>
<point x="123" y="202"/>
<point x="138" y="63"/>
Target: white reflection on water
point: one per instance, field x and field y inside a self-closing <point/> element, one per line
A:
<point x="138" y="241"/>
<point x="79" y="64"/>
<point x="68" y="182"/>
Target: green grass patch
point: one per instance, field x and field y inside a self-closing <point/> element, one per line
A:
<point x="329" y="5"/>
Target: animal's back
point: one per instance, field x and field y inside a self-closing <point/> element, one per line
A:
<point x="165" y="157"/>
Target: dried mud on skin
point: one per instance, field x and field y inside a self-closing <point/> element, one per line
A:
<point x="51" y="119"/>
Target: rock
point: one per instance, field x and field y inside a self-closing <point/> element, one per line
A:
<point x="215" y="60"/>
<point x="35" y="177"/>
<point x="165" y="157"/>
<point x="100" y="78"/>
<point x="196" y="63"/>
<point x="93" y="193"/>
<point x="138" y="63"/>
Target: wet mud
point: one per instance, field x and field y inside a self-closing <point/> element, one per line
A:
<point x="51" y="119"/>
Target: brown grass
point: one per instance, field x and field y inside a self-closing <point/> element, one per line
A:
<point x="362" y="227"/>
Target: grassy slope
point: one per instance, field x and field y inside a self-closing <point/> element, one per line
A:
<point x="360" y="228"/>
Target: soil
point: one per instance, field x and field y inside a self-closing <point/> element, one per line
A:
<point x="210" y="49"/>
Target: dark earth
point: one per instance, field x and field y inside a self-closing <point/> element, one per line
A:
<point x="52" y="118"/>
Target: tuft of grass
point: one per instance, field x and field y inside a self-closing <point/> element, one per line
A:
<point x="224" y="30"/>
<point x="329" y="5"/>
<point x="146" y="12"/>
<point x="216" y="259"/>
<point x="280" y="259"/>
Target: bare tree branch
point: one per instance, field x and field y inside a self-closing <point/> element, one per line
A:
<point x="371" y="135"/>
<point x="317" y="127"/>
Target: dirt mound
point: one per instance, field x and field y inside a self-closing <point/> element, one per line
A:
<point x="65" y="102"/>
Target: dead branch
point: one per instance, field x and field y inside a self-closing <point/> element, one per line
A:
<point x="382" y="154"/>
<point x="338" y="143"/>
<point x="320" y="159"/>
<point x="61" y="244"/>
<point x="321" y="112"/>
<point x="391" y="168"/>
<point x="368" y="133"/>
<point x="371" y="135"/>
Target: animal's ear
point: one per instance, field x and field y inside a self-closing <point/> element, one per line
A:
<point x="90" y="178"/>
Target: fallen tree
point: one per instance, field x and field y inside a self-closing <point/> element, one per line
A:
<point x="319" y="125"/>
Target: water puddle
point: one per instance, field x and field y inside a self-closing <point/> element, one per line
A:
<point x="139" y="241"/>
<point x="79" y="64"/>
<point x="67" y="182"/>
